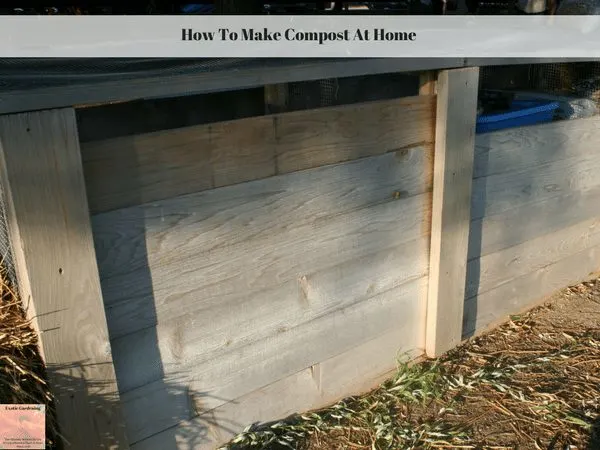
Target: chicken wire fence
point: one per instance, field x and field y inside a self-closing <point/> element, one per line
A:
<point x="6" y="258"/>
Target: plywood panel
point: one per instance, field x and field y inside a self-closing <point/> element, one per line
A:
<point x="138" y="169"/>
<point x="52" y="243"/>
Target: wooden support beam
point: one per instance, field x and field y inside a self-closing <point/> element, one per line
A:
<point x="427" y="82"/>
<point x="51" y="236"/>
<point x="451" y="208"/>
<point x="276" y="98"/>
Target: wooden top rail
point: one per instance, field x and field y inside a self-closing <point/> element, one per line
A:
<point x="196" y="81"/>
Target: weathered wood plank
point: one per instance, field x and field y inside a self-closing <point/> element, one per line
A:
<point x="310" y="253"/>
<point x="207" y="331"/>
<point x="311" y="388"/>
<point x="451" y="216"/>
<point x="54" y="253"/>
<point x="504" y="266"/>
<point x="518" y="294"/>
<point x="398" y="312"/>
<point x="303" y="218"/>
<point x="491" y="233"/>
<point x="138" y="169"/>
<point x="497" y="193"/>
<point x="427" y="82"/>
<point x="276" y="98"/>
<point x="520" y="148"/>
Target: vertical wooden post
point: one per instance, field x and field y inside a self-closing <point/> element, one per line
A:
<point x="53" y="249"/>
<point x="427" y="83"/>
<point x="451" y="208"/>
<point x="276" y="98"/>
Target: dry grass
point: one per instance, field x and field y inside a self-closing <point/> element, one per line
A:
<point x="22" y="378"/>
<point x="533" y="383"/>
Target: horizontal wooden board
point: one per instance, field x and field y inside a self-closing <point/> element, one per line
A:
<point x="514" y="296"/>
<point x="504" y="266"/>
<point x="521" y="148"/>
<point x="397" y="316"/>
<point x="325" y="213"/>
<point x="515" y="226"/>
<point x="281" y="70"/>
<point x="494" y="194"/>
<point x="229" y="323"/>
<point x="138" y="169"/>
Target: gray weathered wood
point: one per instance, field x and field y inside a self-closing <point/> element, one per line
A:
<point x="259" y="220"/>
<point x="491" y="271"/>
<point x="491" y="233"/>
<point x="138" y="169"/>
<point x="522" y="148"/>
<point x="310" y="254"/>
<point x="504" y="191"/>
<point x="198" y="82"/>
<point x="526" y="291"/>
<point x="223" y="380"/>
<point x="453" y="172"/>
<point x="313" y="387"/>
<point x="54" y="253"/>
<point x="283" y="268"/>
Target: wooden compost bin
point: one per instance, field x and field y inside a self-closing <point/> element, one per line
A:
<point x="187" y="283"/>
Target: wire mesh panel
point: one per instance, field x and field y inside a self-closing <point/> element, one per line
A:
<point x="6" y="258"/>
<point x="575" y="86"/>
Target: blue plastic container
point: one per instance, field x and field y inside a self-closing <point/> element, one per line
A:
<point x="521" y="113"/>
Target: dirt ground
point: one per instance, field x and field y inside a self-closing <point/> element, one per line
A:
<point x="532" y="383"/>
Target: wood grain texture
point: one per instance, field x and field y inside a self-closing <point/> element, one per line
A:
<point x="313" y="387"/>
<point x="276" y="98"/>
<point x="522" y="148"/>
<point x="277" y="259"/>
<point x="138" y="169"/>
<point x="525" y="291"/>
<point x="306" y="255"/>
<point x="318" y="214"/>
<point x="491" y="271"/>
<point x="54" y="253"/>
<point x="282" y="70"/>
<point x="492" y="233"/>
<point x="427" y="82"/>
<point x="222" y="384"/>
<point x="451" y="215"/>
<point x="501" y="192"/>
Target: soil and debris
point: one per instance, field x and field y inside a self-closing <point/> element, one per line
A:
<point x="22" y="376"/>
<point x="533" y="383"/>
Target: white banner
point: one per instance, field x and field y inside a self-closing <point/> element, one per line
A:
<point x="300" y="36"/>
